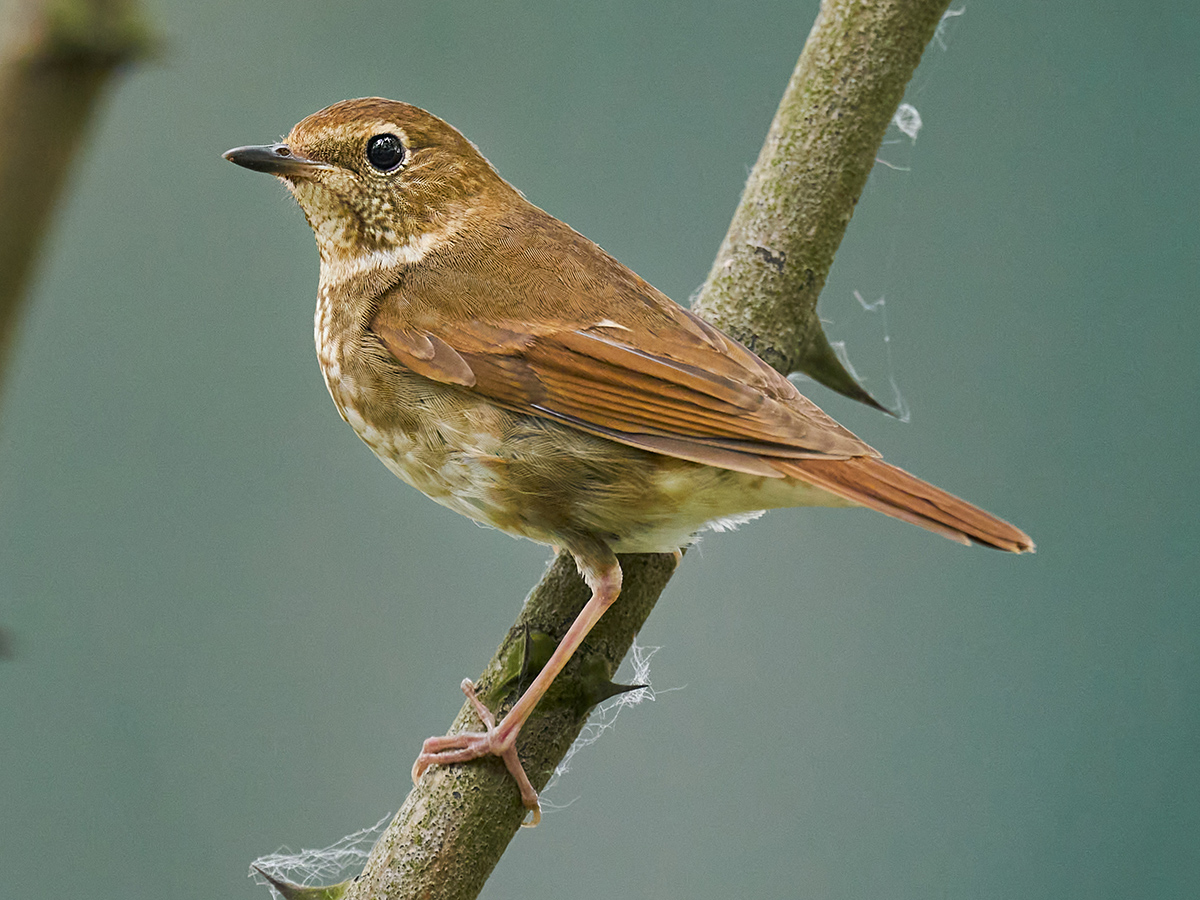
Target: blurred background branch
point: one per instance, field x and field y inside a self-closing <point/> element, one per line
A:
<point x="56" y="58"/>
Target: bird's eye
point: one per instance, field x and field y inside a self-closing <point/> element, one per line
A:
<point x="385" y="152"/>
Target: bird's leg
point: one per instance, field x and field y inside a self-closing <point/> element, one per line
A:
<point x="500" y="740"/>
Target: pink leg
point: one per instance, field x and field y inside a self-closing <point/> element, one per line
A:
<point x="501" y="740"/>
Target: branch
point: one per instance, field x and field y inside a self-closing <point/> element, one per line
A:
<point x="454" y="826"/>
<point x="56" y="59"/>
<point x="764" y="285"/>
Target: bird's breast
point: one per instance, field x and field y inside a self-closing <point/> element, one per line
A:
<point x="445" y="442"/>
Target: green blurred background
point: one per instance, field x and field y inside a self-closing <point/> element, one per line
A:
<point x="232" y="627"/>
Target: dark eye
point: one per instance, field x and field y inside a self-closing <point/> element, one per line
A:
<point x="385" y="152"/>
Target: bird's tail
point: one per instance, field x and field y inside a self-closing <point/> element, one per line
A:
<point x="881" y="486"/>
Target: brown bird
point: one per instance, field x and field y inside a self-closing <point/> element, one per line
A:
<point x="510" y="369"/>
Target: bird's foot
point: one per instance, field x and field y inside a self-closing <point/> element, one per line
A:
<point x="469" y="745"/>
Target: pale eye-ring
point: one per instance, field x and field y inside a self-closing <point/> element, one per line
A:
<point x="385" y="152"/>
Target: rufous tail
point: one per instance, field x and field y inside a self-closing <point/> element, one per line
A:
<point x="883" y="487"/>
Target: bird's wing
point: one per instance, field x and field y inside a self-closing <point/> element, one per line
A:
<point x="664" y="380"/>
<point x="652" y="375"/>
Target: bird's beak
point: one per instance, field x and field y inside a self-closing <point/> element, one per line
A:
<point x="275" y="159"/>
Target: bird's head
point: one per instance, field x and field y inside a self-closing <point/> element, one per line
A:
<point x="380" y="182"/>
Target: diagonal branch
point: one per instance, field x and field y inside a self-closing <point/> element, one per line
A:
<point x="453" y="828"/>
<point x="764" y="284"/>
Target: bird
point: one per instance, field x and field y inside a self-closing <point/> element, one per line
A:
<point x="513" y="371"/>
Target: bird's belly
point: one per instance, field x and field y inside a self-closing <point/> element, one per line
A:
<point x="538" y="479"/>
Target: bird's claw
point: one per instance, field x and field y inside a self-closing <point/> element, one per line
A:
<point x="469" y="745"/>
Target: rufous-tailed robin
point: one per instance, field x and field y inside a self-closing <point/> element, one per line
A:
<point x="510" y="369"/>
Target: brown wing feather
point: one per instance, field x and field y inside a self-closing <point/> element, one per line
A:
<point x="623" y="393"/>
<point x="570" y="333"/>
<point x="426" y="354"/>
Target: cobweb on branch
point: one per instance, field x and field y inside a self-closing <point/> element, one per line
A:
<point x="895" y="155"/>
<point x="939" y="36"/>
<point x="604" y="717"/>
<point x="899" y="405"/>
<point x="907" y="121"/>
<point x="329" y="865"/>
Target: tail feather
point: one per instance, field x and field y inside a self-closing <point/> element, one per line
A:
<point x="883" y="487"/>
